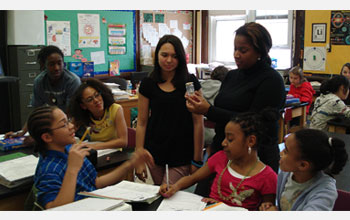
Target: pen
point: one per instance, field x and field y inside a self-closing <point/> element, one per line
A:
<point x="167" y="176"/>
<point x="82" y="138"/>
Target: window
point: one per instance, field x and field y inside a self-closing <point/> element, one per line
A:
<point x="277" y="22"/>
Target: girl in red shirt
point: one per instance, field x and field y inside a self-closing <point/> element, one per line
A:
<point x="300" y="87"/>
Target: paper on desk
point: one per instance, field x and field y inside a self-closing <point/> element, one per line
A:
<point x="119" y="92"/>
<point x="19" y="168"/>
<point x="103" y="152"/>
<point x="182" y="201"/>
<point x="90" y="204"/>
<point x="127" y="190"/>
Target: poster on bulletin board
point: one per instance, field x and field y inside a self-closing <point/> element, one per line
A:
<point x="340" y="27"/>
<point x="58" y="34"/>
<point x="122" y="41"/>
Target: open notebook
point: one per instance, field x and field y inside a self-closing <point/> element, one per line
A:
<point x="17" y="171"/>
<point x="127" y="191"/>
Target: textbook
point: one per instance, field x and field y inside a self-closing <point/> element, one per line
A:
<point x="17" y="171"/>
<point x="127" y="191"/>
<point x="12" y="143"/>
<point x="220" y="206"/>
<point x="90" y="204"/>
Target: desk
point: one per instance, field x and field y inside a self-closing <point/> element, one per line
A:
<point x="127" y="105"/>
<point x="298" y="110"/>
<point x="13" y="199"/>
<point x="338" y="125"/>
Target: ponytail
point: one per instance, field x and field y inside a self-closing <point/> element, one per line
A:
<point x="332" y="85"/>
<point x="324" y="153"/>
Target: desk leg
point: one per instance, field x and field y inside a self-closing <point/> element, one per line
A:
<point x="303" y="117"/>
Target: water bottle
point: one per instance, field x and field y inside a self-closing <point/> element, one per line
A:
<point x="129" y="86"/>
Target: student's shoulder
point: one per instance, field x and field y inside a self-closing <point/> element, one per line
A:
<point x="68" y="75"/>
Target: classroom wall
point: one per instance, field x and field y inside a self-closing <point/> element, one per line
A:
<point x="338" y="55"/>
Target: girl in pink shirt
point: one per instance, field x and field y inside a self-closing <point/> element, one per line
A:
<point x="241" y="178"/>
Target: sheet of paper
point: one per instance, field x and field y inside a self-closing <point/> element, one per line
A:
<point x="182" y="201"/>
<point x="173" y="24"/>
<point x="163" y="29"/>
<point x="103" y="152"/>
<point x="129" y="191"/>
<point x="58" y="34"/>
<point x="89" y="30"/>
<point x="98" y="57"/>
<point x="186" y="26"/>
<point x="90" y="204"/>
<point x="20" y="168"/>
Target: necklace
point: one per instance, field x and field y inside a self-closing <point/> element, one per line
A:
<point x="234" y="190"/>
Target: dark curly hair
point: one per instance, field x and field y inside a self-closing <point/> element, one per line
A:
<point x="82" y="116"/>
<point x="181" y="75"/>
<point x="47" y="51"/>
<point x="253" y="123"/>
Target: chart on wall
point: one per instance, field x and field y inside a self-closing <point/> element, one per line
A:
<point x="340" y="28"/>
<point x="155" y="24"/>
<point x="314" y="58"/>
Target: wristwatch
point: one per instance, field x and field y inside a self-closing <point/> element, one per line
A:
<point x="198" y="164"/>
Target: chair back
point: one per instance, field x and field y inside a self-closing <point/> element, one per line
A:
<point x="131" y="137"/>
<point x="120" y="81"/>
<point x="343" y="201"/>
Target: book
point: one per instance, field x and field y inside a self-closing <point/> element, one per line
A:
<point x="127" y="191"/>
<point x="90" y="204"/>
<point x="17" y="171"/>
<point x="220" y="206"/>
<point x="114" y="68"/>
<point x="88" y="69"/>
<point x="12" y="143"/>
<point x="182" y="201"/>
<point x="77" y="68"/>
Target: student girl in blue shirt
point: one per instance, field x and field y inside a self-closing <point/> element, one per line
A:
<point x="305" y="182"/>
<point x="63" y="169"/>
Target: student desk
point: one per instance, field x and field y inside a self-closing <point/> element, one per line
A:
<point x="338" y="125"/>
<point x="127" y="105"/>
<point x="13" y="199"/>
<point x="295" y="110"/>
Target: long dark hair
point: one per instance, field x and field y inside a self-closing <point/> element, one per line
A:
<point x="181" y="75"/>
<point x="316" y="147"/>
<point x="45" y="52"/>
<point x="259" y="37"/>
<point x="253" y="123"/>
<point x="332" y="85"/>
<point x="39" y="122"/>
<point x="82" y="116"/>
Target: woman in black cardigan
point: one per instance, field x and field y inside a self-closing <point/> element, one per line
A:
<point x="255" y="85"/>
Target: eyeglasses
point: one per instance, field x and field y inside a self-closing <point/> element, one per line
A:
<point x="91" y="98"/>
<point x="65" y="125"/>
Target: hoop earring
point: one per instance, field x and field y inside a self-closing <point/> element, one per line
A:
<point x="259" y="58"/>
<point x="249" y="150"/>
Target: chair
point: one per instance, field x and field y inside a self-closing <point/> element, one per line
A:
<point x="30" y="203"/>
<point x="120" y="81"/>
<point x="136" y="77"/>
<point x="131" y="138"/>
<point x="343" y="201"/>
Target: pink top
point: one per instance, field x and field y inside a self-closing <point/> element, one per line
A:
<point x="249" y="193"/>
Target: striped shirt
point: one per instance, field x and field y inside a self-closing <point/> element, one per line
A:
<point x="50" y="172"/>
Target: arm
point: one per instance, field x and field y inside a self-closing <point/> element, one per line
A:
<point x="66" y="193"/>
<point x="185" y="181"/>
<point x="305" y="94"/>
<point x="20" y="133"/>
<point x="321" y="200"/>
<point x="122" y="134"/>
<point x="142" y="119"/>
<point x="139" y="157"/>
<point x="198" y="135"/>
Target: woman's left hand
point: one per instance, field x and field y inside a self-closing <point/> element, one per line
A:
<point x="196" y="103"/>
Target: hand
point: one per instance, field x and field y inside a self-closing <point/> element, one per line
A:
<point x="141" y="172"/>
<point x="196" y="103"/>
<point x="168" y="192"/>
<point x="267" y="206"/>
<point x="209" y="200"/>
<point x="12" y="134"/>
<point x="140" y="157"/>
<point x="76" y="156"/>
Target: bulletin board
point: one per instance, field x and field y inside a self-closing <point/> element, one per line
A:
<point x="127" y="60"/>
<point x="155" y="24"/>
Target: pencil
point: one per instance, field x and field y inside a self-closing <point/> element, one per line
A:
<point x="86" y="131"/>
<point x="167" y="176"/>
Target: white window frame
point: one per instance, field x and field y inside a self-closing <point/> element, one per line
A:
<point x="249" y="16"/>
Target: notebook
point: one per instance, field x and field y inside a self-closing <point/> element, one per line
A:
<point x="90" y="204"/>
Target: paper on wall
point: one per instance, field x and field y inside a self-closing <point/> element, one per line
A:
<point x="184" y="41"/>
<point x="89" y="30"/>
<point x="150" y="34"/>
<point x="163" y="29"/>
<point x="177" y="33"/>
<point x="186" y="26"/>
<point x="58" y="34"/>
<point x="173" y="24"/>
<point x="98" y="57"/>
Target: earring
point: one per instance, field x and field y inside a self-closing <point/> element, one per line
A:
<point x="259" y="58"/>
<point x="249" y="150"/>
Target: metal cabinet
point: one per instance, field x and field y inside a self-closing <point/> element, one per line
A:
<point x="23" y="64"/>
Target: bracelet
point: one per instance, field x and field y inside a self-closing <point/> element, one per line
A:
<point x="198" y="164"/>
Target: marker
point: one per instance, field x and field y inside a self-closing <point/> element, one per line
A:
<point x="167" y="176"/>
<point x="82" y="138"/>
